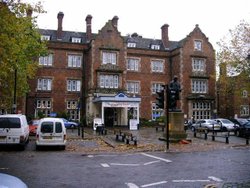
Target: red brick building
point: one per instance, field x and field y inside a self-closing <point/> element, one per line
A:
<point x="114" y="77"/>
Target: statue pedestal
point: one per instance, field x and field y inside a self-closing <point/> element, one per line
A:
<point x="176" y="126"/>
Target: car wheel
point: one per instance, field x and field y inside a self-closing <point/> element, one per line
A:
<point x="237" y="133"/>
<point x="192" y="129"/>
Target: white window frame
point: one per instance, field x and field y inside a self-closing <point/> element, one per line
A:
<point x="198" y="65"/>
<point x="46" y="60"/>
<point x="133" y="64"/>
<point x="73" y="85"/>
<point x="74" y="61"/>
<point x="131" y="44"/>
<point x="76" y="40"/>
<point x="133" y="87"/>
<point x="197" y="45"/>
<point x="109" y="58"/>
<point x="45" y="37"/>
<point x="155" y="46"/>
<point x="244" y="110"/>
<point x="199" y="86"/>
<point x="156" y="87"/>
<point x="157" y="66"/>
<point x="108" y="81"/>
<point x="201" y="110"/>
<point x="44" y="84"/>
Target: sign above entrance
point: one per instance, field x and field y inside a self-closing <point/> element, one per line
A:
<point x="119" y="98"/>
<point x="120" y="104"/>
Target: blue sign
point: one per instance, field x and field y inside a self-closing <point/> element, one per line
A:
<point x="53" y="114"/>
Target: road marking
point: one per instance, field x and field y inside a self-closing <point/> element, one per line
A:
<point x="131" y="185"/>
<point x="148" y="163"/>
<point x="120" y="164"/>
<point x="155" y="157"/>
<point x="90" y="156"/>
<point x="105" y="165"/>
<point x="189" y="181"/>
<point x="153" y="184"/>
<point x="215" y="179"/>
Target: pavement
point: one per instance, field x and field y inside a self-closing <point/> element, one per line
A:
<point x="147" y="139"/>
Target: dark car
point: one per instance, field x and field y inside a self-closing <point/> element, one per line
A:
<point x="241" y="122"/>
<point x="244" y="130"/>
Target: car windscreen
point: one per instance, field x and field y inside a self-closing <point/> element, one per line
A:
<point x="226" y="121"/>
<point x="47" y="127"/>
<point x="10" y="122"/>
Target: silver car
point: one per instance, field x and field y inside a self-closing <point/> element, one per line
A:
<point x="210" y="124"/>
<point x="226" y="125"/>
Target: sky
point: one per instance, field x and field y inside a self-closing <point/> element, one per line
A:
<point x="145" y="17"/>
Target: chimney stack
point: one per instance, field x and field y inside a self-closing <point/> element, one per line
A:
<point x="88" y="27"/>
<point x="115" y="21"/>
<point x="164" y="35"/>
<point x="59" y="29"/>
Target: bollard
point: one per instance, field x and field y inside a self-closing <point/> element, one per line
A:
<point x="127" y="141"/>
<point x="195" y="133"/>
<point x="117" y="137"/>
<point x="227" y="140"/>
<point x="135" y="142"/>
<point x="247" y="141"/>
<point x="213" y="137"/>
<point x="205" y="135"/>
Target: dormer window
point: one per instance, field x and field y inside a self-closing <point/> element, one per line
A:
<point x="131" y="44"/>
<point x="155" y="47"/>
<point x="45" y="37"/>
<point x="76" y="40"/>
<point x="198" y="45"/>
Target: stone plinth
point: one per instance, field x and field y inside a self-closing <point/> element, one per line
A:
<point x="176" y="126"/>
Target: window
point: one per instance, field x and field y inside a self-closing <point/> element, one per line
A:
<point x="46" y="60"/>
<point x="156" y="112"/>
<point x="198" y="45"/>
<point x="133" y="64"/>
<point x="244" y="93"/>
<point x="244" y="110"/>
<point x="74" y="61"/>
<point x="157" y="66"/>
<point x="133" y="87"/>
<point x="73" y="109"/>
<point x="44" y="84"/>
<point x="76" y="40"/>
<point x="131" y="44"/>
<point x="109" y="81"/>
<point x="109" y="57"/>
<point x="201" y="110"/>
<point x="198" y="65"/>
<point x="58" y="127"/>
<point x="155" y="47"/>
<point x="45" y="37"/>
<point x="199" y="86"/>
<point x="43" y="106"/>
<point x="156" y="87"/>
<point x="73" y="85"/>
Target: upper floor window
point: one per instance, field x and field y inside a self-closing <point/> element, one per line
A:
<point x="109" y="57"/>
<point x="76" y="40"/>
<point x="44" y="84"/>
<point x="155" y="47"/>
<point x="156" y="87"/>
<point x="199" y="86"/>
<point x="133" y="87"/>
<point x="133" y="64"/>
<point x="46" y="60"/>
<point x="73" y="85"/>
<point x="74" y="60"/>
<point x="244" y="93"/>
<point x="198" y="65"/>
<point x="109" y="81"/>
<point x="198" y="45"/>
<point x="157" y="66"/>
<point x="45" y="37"/>
<point x="131" y="44"/>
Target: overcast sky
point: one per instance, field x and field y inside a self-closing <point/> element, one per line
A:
<point x="145" y="17"/>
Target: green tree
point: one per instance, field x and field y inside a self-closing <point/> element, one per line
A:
<point x="20" y="47"/>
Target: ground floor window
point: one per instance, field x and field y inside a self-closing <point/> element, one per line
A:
<point x="156" y="112"/>
<point x="132" y="113"/>
<point x="244" y="110"/>
<point x="201" y="110"/>
<point x="73" y="110"/>
<point x="43" y="107"/>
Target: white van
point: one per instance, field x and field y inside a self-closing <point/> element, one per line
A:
<point x="14" y="130"/>
<point x="51" y="132"/>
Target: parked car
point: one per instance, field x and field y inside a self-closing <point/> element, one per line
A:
<point x="226" y="125"/>
<point x="239" y="121"/>
<point x="244" y="130"/>
<point x="51" y="132"/>
<point x="33" y="126"/>
<point x="210" y="124"/>
<point x="69" y="124"/>
<point x="14" y="130"/>
<point x="7" y="180"/>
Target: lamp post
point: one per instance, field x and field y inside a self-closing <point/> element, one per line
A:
<point x="14" y="106"/>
